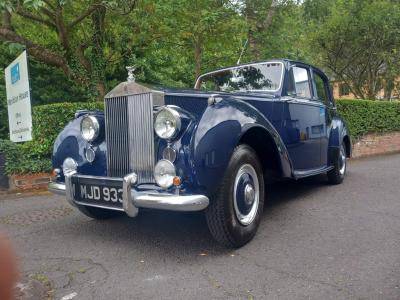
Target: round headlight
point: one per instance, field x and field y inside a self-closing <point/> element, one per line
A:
<point x="90" y="128"/>
<point x="69" y="166"/>
<point x="167" y="123"/>
<point x="164" y="173"/>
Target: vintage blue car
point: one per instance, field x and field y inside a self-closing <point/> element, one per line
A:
<point x="211" y="148"/>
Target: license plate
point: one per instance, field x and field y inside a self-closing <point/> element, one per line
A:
<point x="98" y="191"/>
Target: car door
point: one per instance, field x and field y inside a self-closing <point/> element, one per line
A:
<point x="323" y="95"/>
<point x="301" y="122"/>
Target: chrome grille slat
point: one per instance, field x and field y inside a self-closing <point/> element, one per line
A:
<point x="129" y="136"/>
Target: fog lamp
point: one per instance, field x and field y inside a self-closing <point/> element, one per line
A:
<point x="164" y="173"/>
<point x="69" y="166"/>
<point x="90" y="154"/>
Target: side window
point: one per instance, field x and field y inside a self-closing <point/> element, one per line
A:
<point x="300" y="85"/>
<point x="320" y="85"/>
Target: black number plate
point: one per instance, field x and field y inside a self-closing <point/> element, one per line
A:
<point x="106" y="192"/>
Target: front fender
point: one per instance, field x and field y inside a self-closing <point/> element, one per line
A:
<point x="218" y="133"/>
<point x="70" y="143"/>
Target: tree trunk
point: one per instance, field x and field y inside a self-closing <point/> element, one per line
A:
<point x="101" y="91"/>
<point x="98" y="60"/>
<point x="198" y="53"/>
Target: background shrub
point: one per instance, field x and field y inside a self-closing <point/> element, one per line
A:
<point x="362" y="117"/>
<point x="366" y="116"/>
<point x="47" y="121"/>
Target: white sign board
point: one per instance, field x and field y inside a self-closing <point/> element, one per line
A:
<point x="19" y="100"/>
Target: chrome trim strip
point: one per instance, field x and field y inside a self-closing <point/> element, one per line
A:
<point x="311" y="172"/>
<point x="127" y="200"/>
<point x="100" y="177"/>
<point x="69" y="188"/>
<point x="57" y="188"/>
<point x="246" y="65"/>
<point x="171" y="202"/>
<point x="99" y="206"/>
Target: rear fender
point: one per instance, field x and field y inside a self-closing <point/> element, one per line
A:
<point x="338" y="134"/>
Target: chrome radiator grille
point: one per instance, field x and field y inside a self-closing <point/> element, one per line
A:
<point x="129" y="136"/>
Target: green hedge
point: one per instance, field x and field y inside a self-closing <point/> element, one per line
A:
<point x="47" y="121"/>
<point x="362" y="116"/>
<point x="366" y="116"/>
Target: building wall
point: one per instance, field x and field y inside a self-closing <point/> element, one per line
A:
<point x="336" y="86"/>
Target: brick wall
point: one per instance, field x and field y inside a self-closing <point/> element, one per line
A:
<point x="3" y="176"/>
<point x="373" y="144"/>
<point x="29" y="181"/>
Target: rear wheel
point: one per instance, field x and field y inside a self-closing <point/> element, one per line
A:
<point x="98" y="213"/>
<point x="235" y="211"/>
<point x="336" y="175"/>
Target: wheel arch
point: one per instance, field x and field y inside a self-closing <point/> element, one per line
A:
<point x="347" y="144"/>
<point x="339" y="134"/>
<point x="263" y="143"/>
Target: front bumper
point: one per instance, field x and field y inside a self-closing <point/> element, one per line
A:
<point x="132" y="199"/>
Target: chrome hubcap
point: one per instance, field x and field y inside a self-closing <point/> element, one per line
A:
<point x="342" y="161"/>
<point x="246" y="194"/>
<point x="249" y="194"/>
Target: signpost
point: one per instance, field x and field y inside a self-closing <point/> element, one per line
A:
<point x="19" y="99"/>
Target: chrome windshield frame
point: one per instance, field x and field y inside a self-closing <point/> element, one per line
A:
<point x="242" y="66"/>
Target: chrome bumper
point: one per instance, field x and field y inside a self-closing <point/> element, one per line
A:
<point x="132" y="199"/>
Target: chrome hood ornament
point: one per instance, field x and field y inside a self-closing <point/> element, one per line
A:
<point x="131" y="76"/>
<point x="131" y="88"/>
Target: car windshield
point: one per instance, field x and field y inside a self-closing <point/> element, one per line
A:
<point x="264" y="77"/>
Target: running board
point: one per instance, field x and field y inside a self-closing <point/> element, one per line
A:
<point x="311" y="172"/>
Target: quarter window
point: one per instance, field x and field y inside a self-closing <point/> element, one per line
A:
<point x="301" y="82"/>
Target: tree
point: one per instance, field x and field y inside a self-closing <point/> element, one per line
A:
<point x="358" y="41"/>
<point x="177" y="40"/>
<point x="259" y="15"/>
<point x="70" y="35"/>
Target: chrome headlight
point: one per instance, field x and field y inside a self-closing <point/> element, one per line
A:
<point x="164" y="173"/>
<point x="90" y="128"/>
<point x="167" y="123"/>
<point x="69" y="166"/>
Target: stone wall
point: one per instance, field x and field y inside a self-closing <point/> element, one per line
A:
<point x="374" y="144"/>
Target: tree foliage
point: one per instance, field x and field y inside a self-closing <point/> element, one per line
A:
<point x="74" y="36"/>
<point x="78" y="49"/>
<point x="358" y="41"/>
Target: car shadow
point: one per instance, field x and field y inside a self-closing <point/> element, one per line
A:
<point x="279" y="193"/>
<point x="163" y="232"/>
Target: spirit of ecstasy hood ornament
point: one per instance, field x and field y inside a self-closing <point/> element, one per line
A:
<point x="131" y="77"/>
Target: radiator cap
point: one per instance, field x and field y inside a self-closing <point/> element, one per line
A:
<point x="130" y="88"/>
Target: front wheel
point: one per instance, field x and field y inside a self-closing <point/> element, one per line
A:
<point x="336" y="175"/>
<point x="235" y="211"/>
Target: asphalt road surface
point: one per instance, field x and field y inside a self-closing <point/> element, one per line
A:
<point x="315" y="242"/>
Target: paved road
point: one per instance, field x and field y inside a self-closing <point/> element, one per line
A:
<point x="315" y="242"/>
